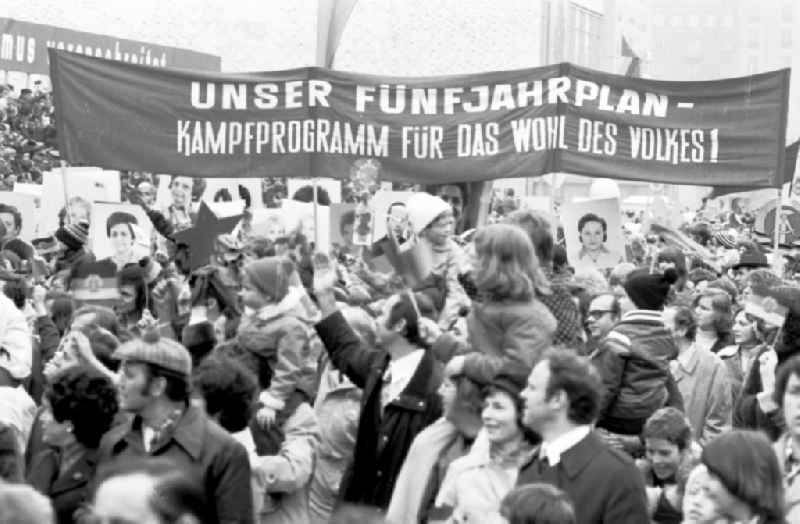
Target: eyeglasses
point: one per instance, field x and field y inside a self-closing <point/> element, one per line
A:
<point x="597" y="313"/>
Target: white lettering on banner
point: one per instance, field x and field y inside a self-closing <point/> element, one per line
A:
<point x="538" y="134"/>
<point x="673" y="146"/>
<point x="424" y="141"/>
<point x="196" y="137"/>
<point x="392" y="99"/>
<point x="268" y="95"/>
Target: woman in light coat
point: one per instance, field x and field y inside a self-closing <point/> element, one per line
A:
<point x="475" y="484"/>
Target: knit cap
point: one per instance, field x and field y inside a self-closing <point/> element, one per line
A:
<point x="271" y="276"/>
<point x="73" y="236"/>
<point x="751" y="258"/>
<point x="649" y="290"/>
<point x="423" y="209"/>
<point x="159" y="351"/>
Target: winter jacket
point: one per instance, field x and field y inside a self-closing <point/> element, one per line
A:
<point x="199" y="447"/>
<point x="67" y="490"/>
<point x="702" y="379"/>
<point x="384" y="435"/>
<point x="568" y="318"/>
<point x="433" y="451"/>
<point x="605" y="483"/>
<point x="633" y="363"/>
<point x="475" y="485"/>
<point x="738" y="368"/>
<point x="753" y="410"/>
<point x="511" y="331"/>
<point x="337" y="409"/>
<point x="287" y="473"/>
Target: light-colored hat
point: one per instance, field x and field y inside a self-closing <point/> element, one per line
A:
<point x="158" y="351"/>
<point x="423" y="209"/>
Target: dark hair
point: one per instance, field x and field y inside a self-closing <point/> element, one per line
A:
<point x="11" y="466"/>
<point x="348" y="219"/>
<point x="14" y="212"/>
<point x="17" y="291"/>
<point x="121" y="217"/>
<point x="578" y="379"/>
<point x="785" y="371"/>
<point x="229" y="390"/>
<point x="591" y="217"/>
<point x="252" y="361"/>
<point x="519" y="404"/>
<point x="538" y="228"/>
<point x="403" y="309"/>
<point x="537" y="503"/>
<point x="133" y="275"/>
<point x="746" y="464"/>
<point x="722" y="305"/>
<point x="306" y="194"/>
<point x="177" y="388"/>
<point x="671" y="425"/>
<point x="684" y="319"/>
<point x="87" y="399"/>
<point x="104" y="317"/>
<point x="62" y="311"/>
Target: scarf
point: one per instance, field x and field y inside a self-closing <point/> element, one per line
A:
<point x="414" y="476"/>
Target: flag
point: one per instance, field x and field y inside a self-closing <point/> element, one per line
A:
<point x="332" y="16"/>
<point x="788" y="175"/>
<point x="634" y="67"/>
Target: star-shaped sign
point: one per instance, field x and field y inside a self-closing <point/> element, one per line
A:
<point x="201" y="238"/>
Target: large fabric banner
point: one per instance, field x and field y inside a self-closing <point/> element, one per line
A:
<point x="317" y="122"/>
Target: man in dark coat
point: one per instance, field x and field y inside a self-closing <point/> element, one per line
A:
<point x="561" y="402"/>
<point x="154" y="388"/>
<point x="399" y="381"/>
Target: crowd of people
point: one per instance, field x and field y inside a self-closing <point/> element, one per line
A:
<point x="493" y="384"/>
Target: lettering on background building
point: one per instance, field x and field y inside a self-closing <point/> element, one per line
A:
<point x="17" y="48"/>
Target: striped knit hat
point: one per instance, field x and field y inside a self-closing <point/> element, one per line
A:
<point x="73" y="236"/>
<point x="725" y="239"/>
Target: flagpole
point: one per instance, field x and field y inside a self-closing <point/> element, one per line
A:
<point x="776" y="256"/>
<point x="66" y="191"/>
<point x="316" y="221"/>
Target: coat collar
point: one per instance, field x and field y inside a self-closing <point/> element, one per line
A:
<point x="415" y="395"/>
<point x="77" y="475"/>
<point x="189" y="433"/>
<point x="575" y="459"/>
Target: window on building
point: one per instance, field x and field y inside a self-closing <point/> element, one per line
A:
<point x="676" y="21"/>
<point x="658" y="20"/>
<point x="727" y="21"/>
<point x="710" y="20"/>
<point x="694" y="21"/>
<point x="584" y="44"/>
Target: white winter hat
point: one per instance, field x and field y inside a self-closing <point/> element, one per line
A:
<point x="423" y="209"/>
